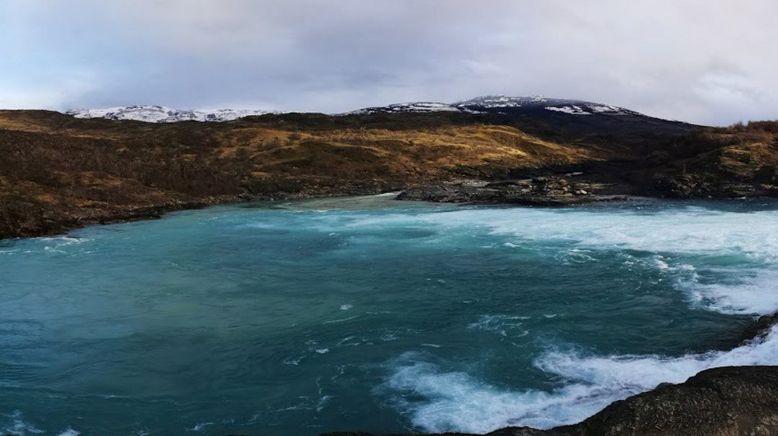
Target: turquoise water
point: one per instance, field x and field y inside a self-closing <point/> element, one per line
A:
<point x="371" y="314"/>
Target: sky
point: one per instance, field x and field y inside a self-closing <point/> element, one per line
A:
<point x="711" y="62"/>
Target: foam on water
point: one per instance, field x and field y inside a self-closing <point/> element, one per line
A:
<point x="17" y="426"/>
<point x="500" y="324"/>
<point x="199" y="426"/>
<point x="749" y="237"/>
<point x="754" y="294"/>
<point x="14" y="424"/>
<point x="689" y="229"/>
<point x="455" y="401"/>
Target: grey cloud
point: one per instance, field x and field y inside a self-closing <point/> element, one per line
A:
<point x="706" y="62"/>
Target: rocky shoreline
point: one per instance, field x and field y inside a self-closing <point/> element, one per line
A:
<point x="544" y="191"/>
<point x="43" y="223"/>
<point x="523" y="192"/>
<point x="724" y="401"/>
<point x="561" y="190"/>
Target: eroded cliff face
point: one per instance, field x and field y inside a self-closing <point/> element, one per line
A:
<point x="58" y="172"/>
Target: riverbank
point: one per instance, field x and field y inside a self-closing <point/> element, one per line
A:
<point x="58" y="172"/>
<point x="534" y="192"/>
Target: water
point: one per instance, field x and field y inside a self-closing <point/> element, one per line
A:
<point x="371" y="314"/>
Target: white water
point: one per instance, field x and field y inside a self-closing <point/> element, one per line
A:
<point x="487" y="317"/>
<point x="740" y="247"/>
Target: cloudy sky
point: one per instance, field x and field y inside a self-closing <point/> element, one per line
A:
<point x="712" y="62"/>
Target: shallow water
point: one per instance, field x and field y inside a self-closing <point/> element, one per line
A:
<point x="298" y="318"/>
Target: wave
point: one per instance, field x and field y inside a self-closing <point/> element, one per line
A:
<point x="500" y="324"/>
<point x="14" y="424"/>
<point x="722" y="261"/>
<point x="456" y="401"/>
<point x="749" y="292"/>
<point x="698" y="242"/>
<point x="689" y="229"/>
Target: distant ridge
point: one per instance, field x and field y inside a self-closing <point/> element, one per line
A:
<point x="483" y="104"/>
<point x="502" y="104"/>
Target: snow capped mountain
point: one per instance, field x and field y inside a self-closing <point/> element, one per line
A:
<point x="498" y="101"/>
<point x="504" y="104"/>
<point x="498" y="104"/>
<point x="501" y="103"/>
<point x="162" y="114"/>
<point x="422" y="106"/>
<point x="475" y="105"/>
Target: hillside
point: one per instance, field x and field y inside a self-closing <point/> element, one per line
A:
<point x="721" y="162"/>
<point x="59" y="172"/>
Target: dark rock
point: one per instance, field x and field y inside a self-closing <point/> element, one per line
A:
<point x="552" y="190"/>
<point x="720" y="401"/>
<point x="759" y="328"/>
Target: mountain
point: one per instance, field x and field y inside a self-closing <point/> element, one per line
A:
<point x="421" y="106"/>
<point x="503" y="105"/>
<point x="493" y="104"/>
<point x="162" y="114"/>
<point x="560" y="120"/>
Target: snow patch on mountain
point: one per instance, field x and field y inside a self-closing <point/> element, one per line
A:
<point x="590" y="109"/>
<point x="422" y="106"/>
<point x="163" y="114"/>
<point x="571" y="109"/>
<point x="600" y="108"/>
<point x="497" y="101"/>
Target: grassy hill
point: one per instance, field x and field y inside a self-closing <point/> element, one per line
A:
<point x="59" y="172"/>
